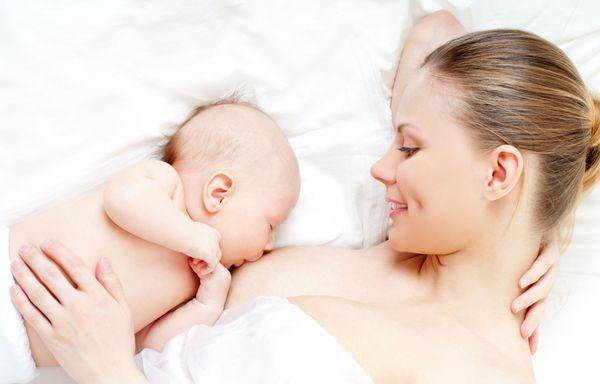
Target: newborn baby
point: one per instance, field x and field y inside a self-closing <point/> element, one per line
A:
<point x="228" y="179"/>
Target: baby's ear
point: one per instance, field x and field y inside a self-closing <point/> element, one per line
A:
<point x="505" y="170"/>
<point x="218" y="189"/>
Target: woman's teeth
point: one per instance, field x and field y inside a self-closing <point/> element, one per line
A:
<point x="394" y="206"/>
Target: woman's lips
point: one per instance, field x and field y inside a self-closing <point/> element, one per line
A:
<point x="397" y="208"/>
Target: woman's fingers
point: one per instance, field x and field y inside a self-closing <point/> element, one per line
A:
<point x="36" y="292"/>
<point x="46" y="271"/>
<point x="533" y="319"/>
<point x="546" y="259"/>
<point x="110" y="281"/>
<point x="29" y="312"/>
<point x="92" y="336"/>
<point x="533" y="342"/>
<point x="70" y="263"/>
<point x="536" y="292"/>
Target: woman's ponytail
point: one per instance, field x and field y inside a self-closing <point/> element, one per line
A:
<point x="592" y="160"/>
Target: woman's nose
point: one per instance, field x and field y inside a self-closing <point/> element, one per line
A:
<point x="384" y="170"/>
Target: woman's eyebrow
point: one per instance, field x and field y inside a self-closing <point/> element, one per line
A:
<point x="411" y="130"/>
<point x="401" y="127"/>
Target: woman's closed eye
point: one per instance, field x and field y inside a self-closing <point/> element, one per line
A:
<point x="409" y="151"/>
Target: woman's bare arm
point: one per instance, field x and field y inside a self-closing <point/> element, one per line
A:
<point x="428" y="33"/>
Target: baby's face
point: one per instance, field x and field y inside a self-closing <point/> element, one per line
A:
<point x="263" y="178"/>
<point x="248" y="223"/>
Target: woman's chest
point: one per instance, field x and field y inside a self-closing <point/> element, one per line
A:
<point x="409" y="343"/>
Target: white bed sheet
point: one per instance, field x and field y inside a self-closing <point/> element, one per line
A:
<point x="89" y="87"/>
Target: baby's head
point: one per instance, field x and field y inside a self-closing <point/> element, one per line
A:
<point x="239" y="176"/>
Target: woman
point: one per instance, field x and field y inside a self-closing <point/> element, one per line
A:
<point x="474" y="189"/>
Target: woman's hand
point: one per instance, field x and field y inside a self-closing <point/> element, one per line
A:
<point x="88" y="327"/>
<point x="540" y="279"/>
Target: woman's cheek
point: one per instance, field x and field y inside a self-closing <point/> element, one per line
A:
<point x="432" y="224"/>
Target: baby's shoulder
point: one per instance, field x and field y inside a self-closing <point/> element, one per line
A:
<point x="148" y="168"/>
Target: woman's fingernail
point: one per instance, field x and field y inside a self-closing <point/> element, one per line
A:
<point x="104" y="265"/>
<point x="46" y="243"/>
<point x="525" y="281"/>
<point x="516" y="307"/>
<point x="24" y="249"/>
<point x="17" y="265"/>
<point x="14" y="291"/>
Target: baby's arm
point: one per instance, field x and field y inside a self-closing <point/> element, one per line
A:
<point x="143" y="201"/>
<point x="204" y="309"/>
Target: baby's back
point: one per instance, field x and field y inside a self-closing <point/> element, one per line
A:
<point x="154" y="278"/>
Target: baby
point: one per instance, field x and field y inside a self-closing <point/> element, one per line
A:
<point x="228" y="179"/>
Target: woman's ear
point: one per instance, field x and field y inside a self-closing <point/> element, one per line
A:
<point x="219" y="188"/>
<point x="505" y="169"/>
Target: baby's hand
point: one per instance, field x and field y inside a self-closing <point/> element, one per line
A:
<point x="206" y="250"/>
<point x="213" y="286"/>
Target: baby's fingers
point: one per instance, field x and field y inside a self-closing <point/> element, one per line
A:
<point x="198" y="266"/>
<point x="536" y="292"/>
<point x="210" y="263"/>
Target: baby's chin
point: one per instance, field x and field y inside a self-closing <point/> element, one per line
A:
<point x="234" y="263"/>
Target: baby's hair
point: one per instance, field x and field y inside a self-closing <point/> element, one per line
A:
<point x="169" y="152"/>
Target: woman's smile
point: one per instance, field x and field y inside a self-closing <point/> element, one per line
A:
<point x="396" y="208"/>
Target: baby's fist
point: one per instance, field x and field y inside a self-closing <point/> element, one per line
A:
<point x="214" y="286"/>
<point x="206" y="250"/>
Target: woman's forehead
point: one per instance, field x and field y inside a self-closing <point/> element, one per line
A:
<point x="420" y="103"/>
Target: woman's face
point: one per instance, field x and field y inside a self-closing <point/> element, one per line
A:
<point x="433" y="174"/>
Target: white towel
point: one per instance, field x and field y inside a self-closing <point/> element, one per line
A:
<point x="267" y="340"/>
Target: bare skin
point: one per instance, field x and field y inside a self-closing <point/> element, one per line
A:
<point x="149" y="220"/>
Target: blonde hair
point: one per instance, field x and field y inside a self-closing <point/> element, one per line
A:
<point x="592" y="161"/>
<point x="516" y="88"/>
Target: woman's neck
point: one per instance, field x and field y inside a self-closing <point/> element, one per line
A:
<point x="477" y="285"/>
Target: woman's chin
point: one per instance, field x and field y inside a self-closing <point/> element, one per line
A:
<point x="399" y="241"/>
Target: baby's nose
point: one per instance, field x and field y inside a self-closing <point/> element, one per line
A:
<point x="270" y="244"/>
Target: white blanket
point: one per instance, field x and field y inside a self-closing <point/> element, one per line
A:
<point x="266" y="340"/>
